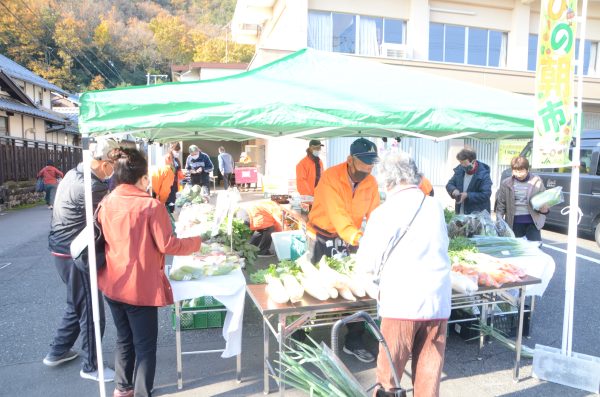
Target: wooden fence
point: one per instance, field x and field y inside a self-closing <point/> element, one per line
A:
<point x="21" y="159"/>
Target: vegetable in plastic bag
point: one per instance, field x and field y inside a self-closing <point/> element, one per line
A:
<point x="503" y="229"/>
<point x="548" y="197"/>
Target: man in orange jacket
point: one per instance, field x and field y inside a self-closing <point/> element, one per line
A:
<point x="263" y="218"/>
<point x="345" y="196"/>
<point x="309" y="169"/>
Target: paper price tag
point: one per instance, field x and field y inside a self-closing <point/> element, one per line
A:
<point x="505" y="253"/>
<point x="245" y="174"/>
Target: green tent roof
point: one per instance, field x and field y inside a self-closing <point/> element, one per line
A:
<point x="309" y="92"/>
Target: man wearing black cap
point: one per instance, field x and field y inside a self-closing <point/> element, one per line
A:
<point x="309" y="169"/>
<point x="346" y="194"/>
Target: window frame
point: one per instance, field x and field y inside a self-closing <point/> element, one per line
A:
<point x="504" y="39"/>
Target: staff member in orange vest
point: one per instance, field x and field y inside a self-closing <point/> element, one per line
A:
<point x="425" y="185"/>
<point x="309" y="169"/>
<point x="346" y="194"/>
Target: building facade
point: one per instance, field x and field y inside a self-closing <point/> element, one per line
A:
<point x="488" y="42"/>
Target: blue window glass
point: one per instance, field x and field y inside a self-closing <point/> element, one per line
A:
<point x="586" y="55"/>
<point x="393" y="31"/>
<point x="344" y="33"/>
<point x="454" y="44"/>
<point x="532" y="52"/>
<point x="495" y="49"/>
<point x="436" y="42"/>
<point x="477" y="54"/>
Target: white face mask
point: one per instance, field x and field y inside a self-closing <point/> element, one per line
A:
<point x="316" y="153"/>
<point x="175" y="153"/>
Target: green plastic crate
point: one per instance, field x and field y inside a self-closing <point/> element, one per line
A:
<point x="189" y="321"/>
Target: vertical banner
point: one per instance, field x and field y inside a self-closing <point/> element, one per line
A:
<point x="554" y="118"/>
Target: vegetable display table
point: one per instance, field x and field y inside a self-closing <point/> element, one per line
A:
<point x="229" y="290"/>
<point x="276" y="317"/>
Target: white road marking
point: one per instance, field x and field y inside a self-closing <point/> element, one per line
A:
<point x="5" y="265"/>
<point x="587" y="258"/>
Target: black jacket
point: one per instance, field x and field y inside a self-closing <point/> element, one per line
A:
<point x="479" y="189"/>
<point x="68" y="217"/>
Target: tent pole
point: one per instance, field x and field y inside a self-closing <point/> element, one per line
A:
<point x="89" y="215"/>
<point x="567" y="338"/>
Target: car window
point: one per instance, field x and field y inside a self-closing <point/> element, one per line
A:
<point x="585" y="158"/>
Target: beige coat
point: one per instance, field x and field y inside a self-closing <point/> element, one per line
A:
<point x="505" y="205"/>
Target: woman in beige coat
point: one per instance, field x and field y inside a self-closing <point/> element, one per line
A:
<point x="514" y="201"/>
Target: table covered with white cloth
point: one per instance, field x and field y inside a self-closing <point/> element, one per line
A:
<point x="230" y="290"/>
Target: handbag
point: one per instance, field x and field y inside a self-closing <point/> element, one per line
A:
<point x="39" y="184"/>
<point x="394" y="242"/>
<point x="79" y="247"/>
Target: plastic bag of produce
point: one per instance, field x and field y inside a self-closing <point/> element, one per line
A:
<point x="548" y="197"/>
<point x="503" y="229"/>
<point x="485" y="225"/>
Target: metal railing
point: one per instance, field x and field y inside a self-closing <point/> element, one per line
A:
<point x="21" y="159"/>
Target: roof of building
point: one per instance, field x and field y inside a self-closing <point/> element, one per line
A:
<point x="16" y="71"/>
<point x="12" y="105"/>
<point x="209" y="65"/>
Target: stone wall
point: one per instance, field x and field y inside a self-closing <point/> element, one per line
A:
<point x="14" y="194"/>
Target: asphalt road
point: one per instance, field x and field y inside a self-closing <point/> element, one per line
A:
<point x="32" y="300"/>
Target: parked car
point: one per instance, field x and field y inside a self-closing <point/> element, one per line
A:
<point x="589" y="185"/>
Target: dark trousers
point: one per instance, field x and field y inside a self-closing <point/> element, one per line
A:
<point x="201" y="179"/>
<point x="528" y="230"/>
<point x="50" y="193"/>
<point x="135" y="356"/>
<point x="262" y="239"/>
<point x="226" y="180"/>
<point x="319" y="248"/>
<point x="77" y="321"/>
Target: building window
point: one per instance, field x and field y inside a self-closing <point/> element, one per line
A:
<point x="591" y="59"/>
<point x="352" y="34"/>
<point x="463" y="44"/>
<point x="3" y="125"/>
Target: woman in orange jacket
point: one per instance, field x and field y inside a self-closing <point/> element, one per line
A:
<point x="138" y="235"/>
<point x="163" y="178"/>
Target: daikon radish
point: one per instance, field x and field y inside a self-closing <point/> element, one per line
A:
<point x="356" y="285"/>
<point x="346" y="294"/>
<point x="371" y="289"/>
<point x="293" y="287"/>
<point x="276" y="290"/>
<point x="331" y="276"/>
<point x="333" y="292"/>
<point x="307" y="268"/>
<point x="314" y="287"/>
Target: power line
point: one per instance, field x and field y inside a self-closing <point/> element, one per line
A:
<point x="38" y="40"/>
<point x="69" y="51"/>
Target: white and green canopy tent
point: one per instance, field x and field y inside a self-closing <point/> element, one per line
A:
<point x="309" y="94"/>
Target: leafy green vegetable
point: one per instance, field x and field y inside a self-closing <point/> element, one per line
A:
<point x="460" y="248"/>
<point x="448" y="214"/>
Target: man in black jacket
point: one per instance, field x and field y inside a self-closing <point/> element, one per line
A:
<point x="68" y="220"/>
<point x="471" y="185"/>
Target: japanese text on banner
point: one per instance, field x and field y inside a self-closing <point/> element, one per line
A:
<point x="554" y="119"/>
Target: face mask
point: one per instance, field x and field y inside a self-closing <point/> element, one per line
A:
<point x="107" y="177"/>
<point x="316" y="153"/>
<point x="195" y="156"/>
<point x="468" y="168"/>
<point x="356" y="175"/>
<point x="175" y="154"/>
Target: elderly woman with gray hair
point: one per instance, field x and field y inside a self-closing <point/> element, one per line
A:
<point x="409" y="259"/>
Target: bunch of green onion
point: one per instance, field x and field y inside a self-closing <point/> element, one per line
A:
<point x="315" y="370"/>
<point x="526" y="352"/>
<point x="504" y="246"/>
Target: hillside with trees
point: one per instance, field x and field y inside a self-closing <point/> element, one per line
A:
<point x="84" y="45"/>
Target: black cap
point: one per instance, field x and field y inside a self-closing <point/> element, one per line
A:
<point x="364" y="150"/>
<point x="315" y="142"/>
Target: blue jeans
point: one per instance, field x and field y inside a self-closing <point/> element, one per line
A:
<point x="50" y="190"/>
<point x="135" y="356"/>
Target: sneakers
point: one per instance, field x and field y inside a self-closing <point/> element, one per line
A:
<point x="109" y="375"/>
<point x="265" y="254"/>
<point x="52" y="360"/>
<point x="361" y="354"/>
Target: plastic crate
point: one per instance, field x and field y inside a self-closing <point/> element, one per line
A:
<point x="192" y="320"/>
<point x="283" y="243"/>
<point x="506" y="323"/>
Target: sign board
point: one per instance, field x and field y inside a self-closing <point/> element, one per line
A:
<point x="554" y="118"/>
<point x="509" y="149"/>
